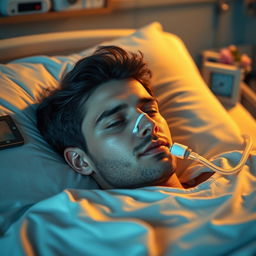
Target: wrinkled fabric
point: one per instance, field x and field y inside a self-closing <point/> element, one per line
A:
<point x="218" y="217"/>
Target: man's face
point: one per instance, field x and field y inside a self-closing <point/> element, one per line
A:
<point x="121" y="158"/>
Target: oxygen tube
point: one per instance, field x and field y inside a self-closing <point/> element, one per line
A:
<point x="183" y="152"/>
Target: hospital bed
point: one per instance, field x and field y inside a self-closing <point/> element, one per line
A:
<point x="48" y="209"/>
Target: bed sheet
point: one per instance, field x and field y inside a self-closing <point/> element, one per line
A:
<point x="45" y="209"/>
<point x="217" y="216"/>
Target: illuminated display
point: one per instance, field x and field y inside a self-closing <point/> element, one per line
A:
<point x="222" y="84"/>
<point x="27" y="7"/>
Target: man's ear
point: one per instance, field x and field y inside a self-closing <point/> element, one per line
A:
<point x="78" y="160"/>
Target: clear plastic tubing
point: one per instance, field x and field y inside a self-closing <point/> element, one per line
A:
<point x="183" y="152"/>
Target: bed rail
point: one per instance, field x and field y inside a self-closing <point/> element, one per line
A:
<point x="248" y="98"/>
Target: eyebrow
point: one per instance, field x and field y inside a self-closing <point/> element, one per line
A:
<point x="110" y="112"/>
<point x="147" y="100"/>
<point x="116" y="109"/>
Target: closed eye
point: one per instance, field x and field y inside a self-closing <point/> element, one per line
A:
<point x="115" y="124"/>
<point x="151" y="112"/>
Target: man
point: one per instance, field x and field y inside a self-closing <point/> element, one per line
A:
<point x="91" y="121"/>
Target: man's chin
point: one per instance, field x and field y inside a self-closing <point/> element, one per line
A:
<point x="170" y="168"/>
<point x="166" y="162"/>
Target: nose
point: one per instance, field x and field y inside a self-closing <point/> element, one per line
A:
<point x="144" y="126"/>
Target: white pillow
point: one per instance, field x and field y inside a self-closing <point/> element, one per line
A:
<point x="195" y="116"/>
<point x="33" y="172"/>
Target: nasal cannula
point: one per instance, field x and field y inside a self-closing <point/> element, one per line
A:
<point x="184" y="152"/>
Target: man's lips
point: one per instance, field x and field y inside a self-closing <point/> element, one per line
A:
<point x="154" y="148"/>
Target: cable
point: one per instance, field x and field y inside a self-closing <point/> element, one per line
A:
<point x="183" y="152"/>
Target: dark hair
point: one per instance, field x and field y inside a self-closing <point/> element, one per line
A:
<point x="60" y="114"/>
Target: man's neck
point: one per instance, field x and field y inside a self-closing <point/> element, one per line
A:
<point x="173" y="181"/>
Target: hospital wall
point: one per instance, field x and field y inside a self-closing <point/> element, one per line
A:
<point x="198" y="23"/>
